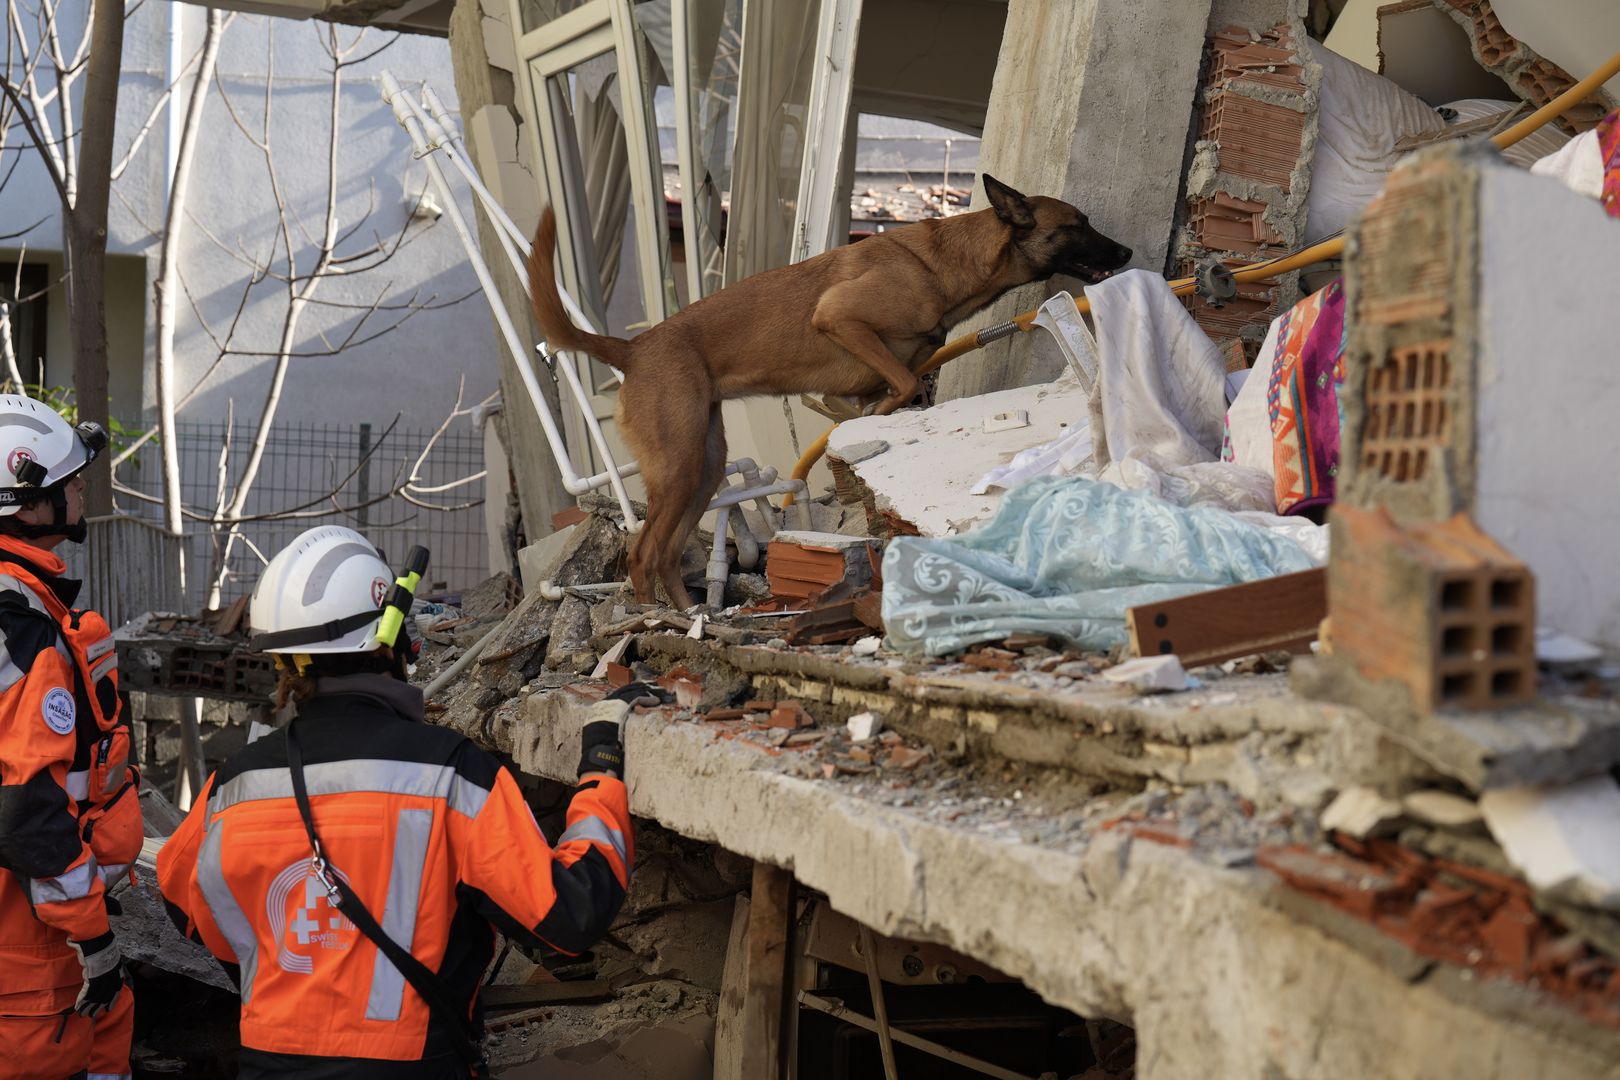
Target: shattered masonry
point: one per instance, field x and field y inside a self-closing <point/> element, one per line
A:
<point x="1250" y="174"/>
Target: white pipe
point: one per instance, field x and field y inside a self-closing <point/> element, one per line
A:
<point x="520" y="355"/>
<point x="720" y="566"/>
<point x="549" y="590"/>
<point x="595" y="428"/>
<point x="439" y="129"/>
<point x="444" y="136"/>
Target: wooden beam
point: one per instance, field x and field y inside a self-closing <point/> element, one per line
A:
<point x="728" y="1017"/>
<point x="1224" y="624"/>
<point x="770" y="926"/>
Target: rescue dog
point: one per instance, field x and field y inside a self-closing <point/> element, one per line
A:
<point x="849" y="322"/>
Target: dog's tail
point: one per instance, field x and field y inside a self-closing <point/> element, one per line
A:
<point x="549" y="312"/>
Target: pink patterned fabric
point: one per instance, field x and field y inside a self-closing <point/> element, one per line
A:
<point x="1303" y="399"/>
<point x="1609" y="146"/>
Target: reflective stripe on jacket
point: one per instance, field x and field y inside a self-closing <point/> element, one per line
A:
<point x="429" y="831"/>
<point x="69" y="815"/>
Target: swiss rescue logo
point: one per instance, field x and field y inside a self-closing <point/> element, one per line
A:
<point x="303" y="921"/>
<point x="59" y="711"/>
<point x="379" y="590"/>
<point x="15" y="459"/>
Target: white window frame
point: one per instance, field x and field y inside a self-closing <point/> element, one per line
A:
<point x="832" y="89"/>
<point x="594" y="29"/>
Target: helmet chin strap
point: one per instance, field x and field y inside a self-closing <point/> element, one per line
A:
<point x="77" y="532"/>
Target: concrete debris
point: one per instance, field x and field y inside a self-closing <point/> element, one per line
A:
<point x="147" y="934"/>
<point x="570" y="639"/>
<point x="1151" y="675"/>
<point x="1475" y="920"/>
<point x="1442" y="809"/>
<point x="1564" y="838"/>
<point x="863" y="726"/>
<point x="867" y="646"/>
<point x="1361" y="812"/>
<point x="612" y="657"/>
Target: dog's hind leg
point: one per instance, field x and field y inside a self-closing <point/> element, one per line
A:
<point x="668" y="427"/>
<point x="709" y="477"/>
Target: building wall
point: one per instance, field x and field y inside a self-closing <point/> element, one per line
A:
<point x="413" y="371"/>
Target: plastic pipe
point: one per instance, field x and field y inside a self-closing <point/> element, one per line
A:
<point x="720" y="566"/>
<point x="571" y="377"/>
<point x="441" y="131"/>
<point x="1327" y="249"/>
<point x="407" y="118"/>
<point x="1555" y="108"/>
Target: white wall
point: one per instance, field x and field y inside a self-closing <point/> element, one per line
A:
<point x="412" y="371"/>
<point x="1549" y="392"/>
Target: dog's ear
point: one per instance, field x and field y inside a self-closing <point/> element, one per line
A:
<point x="1010" y="206"/>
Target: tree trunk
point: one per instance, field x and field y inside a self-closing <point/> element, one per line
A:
<point x="87" y="233"/>
<point x="167" y="285"/>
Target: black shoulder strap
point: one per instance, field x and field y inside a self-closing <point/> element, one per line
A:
<point x="440" y="1002"/>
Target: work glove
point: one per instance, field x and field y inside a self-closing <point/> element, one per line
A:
<point x="601" y="746"/>
<point x="103" y="972"/>
<point x="602" y="741"/>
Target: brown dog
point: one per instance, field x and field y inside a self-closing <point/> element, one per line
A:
<point x="847" y="322"/>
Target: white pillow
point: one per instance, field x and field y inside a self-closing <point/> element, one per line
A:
<point x="1578" y="166"/>
<point x="1362" y="116"/>
<point x="1248" y="421"/>
<point x="1527" y="151"/>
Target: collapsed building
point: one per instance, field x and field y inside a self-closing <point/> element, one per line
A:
<point x="1304" y="800"/>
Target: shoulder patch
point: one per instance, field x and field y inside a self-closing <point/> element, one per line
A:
<point x="59" y="711"/>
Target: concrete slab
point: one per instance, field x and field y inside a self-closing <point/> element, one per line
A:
<point x="932" y="457"/>
<point x="1105" y="921"/>
<point x="1559" y="737"/>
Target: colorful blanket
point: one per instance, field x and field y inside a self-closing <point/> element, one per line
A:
<point x="1609" y="146"/>
<point x="1303" y="400"/>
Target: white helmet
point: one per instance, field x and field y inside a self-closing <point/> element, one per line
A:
<point x="40" y="450"/>
<point x="323" y="593"/>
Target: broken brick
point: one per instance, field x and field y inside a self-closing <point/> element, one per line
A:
<point x="991" y="659"/>
<point x="790" y="714"/>
<point x="905" y="757"/>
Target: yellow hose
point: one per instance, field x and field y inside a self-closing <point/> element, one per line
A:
<point x="1327" y="249"/>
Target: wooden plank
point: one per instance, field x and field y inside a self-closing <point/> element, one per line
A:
<point x="574" y="991"/>
<point x="728" y="1018"/>
<point x="1224" y="624"/>
<point x="770" y="924"/>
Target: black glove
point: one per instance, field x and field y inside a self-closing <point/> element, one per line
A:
<point x="600" y="748"/>
<point x="640" y="693"/>
<point x="103" y="972"/>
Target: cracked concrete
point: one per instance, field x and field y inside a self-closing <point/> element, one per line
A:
<point x="1221" y="971"/>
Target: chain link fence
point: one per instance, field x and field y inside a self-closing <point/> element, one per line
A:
<point x="322" y="474"/>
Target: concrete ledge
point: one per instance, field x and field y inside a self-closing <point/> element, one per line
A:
<point x="1222" y="971"/>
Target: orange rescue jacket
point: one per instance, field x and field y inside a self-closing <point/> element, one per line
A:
<point x="70" y="818"/>
<point x="433" y="836"/>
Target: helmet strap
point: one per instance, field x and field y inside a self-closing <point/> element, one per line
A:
<point x="58" y="526"/>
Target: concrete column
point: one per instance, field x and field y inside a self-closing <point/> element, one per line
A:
<point x="1091" y="103"/>
<point x="484" y="59"/>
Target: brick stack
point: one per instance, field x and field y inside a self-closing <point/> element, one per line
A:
<point x="802" y="565"/>
<point x="1258" y="107"/>
<point x="1532" y="77"/>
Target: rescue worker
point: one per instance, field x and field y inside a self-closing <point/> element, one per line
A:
<point x="354" y="865"/>
<point x="70" y="816"/>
